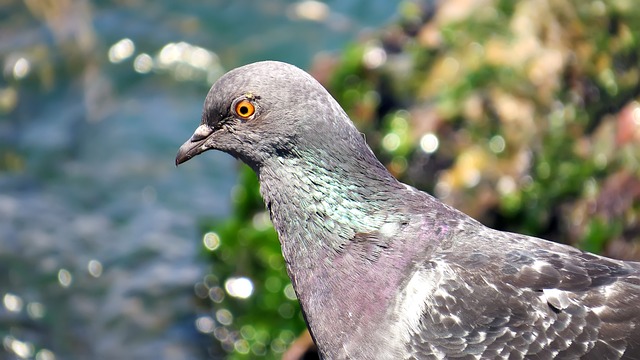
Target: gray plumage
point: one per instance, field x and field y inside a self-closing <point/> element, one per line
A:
<point x="385" y="271"/>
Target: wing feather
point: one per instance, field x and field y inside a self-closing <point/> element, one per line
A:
<point x="502" y="295"/>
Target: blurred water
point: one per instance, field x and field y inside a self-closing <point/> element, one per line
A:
<point x="99" y="244"/>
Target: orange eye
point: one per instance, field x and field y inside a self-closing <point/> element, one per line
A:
<point x="245" y="109"/>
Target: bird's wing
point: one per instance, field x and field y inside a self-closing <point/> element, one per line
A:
<point x="513" y="296"/>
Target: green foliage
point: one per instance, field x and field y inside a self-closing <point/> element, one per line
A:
<point x="598" y="233"/>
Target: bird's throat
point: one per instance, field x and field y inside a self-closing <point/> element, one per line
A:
<point x="319" y="208"/>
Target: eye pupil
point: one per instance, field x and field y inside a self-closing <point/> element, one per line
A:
<point x="244" y="110"/>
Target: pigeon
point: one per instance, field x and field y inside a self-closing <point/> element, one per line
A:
<point x="385" y="271"/>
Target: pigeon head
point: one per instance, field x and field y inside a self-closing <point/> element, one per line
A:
<point x="271" y="109"/>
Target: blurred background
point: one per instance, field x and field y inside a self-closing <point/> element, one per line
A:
<point x="525" y="115"/>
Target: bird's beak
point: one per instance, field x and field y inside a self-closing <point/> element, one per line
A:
<point x="195" y="145"/>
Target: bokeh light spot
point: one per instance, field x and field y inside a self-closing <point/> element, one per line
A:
<point x="374" y="57"/>
<point x="201" y="58"/>
<point x="278" y="345"/>
<point x="35" y="310"/>
<point x="287" y="336"/>
<point x="95" y="268"/>
<point x="442" y="189"/>
<point x="64" y="277"/>
<point x="12" y="302"/>
<point x="121" y="50"/>
<point x="242" y="346"/>
<point x="497" y="144"/>
<point x="21" y="68"/>
<point x="205" y="324"/>
<point x="309" y="10"/>
<point x="471" y="177"/>
<point x="211" y="240"/>
<point x="221" y="333"/>
<point x="216" y="294"/>
<point x="143" y="63"/>
<point x="201" y="290"/>
<point x="429" y="143"/>
<point x="261" y="221"/>
<point x="45" y="354"/>
<point x="22" y="349"/>
<point x="248" y="332"/>
<point x="210" y="280"/>
<point x="601" y="161"/>
<point x="506" y="185"/>
<point x="224" y="317"/>
<point x="240" y="287"/>
<point x="391" y="142"/>
<point x="8" y="99"/>
<point x="259" y="349"/>
<point x="289" y="292"/>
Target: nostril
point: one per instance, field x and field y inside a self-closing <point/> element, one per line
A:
<point x="201" y="132"/>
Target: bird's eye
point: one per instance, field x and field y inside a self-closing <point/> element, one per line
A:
<point x="245" y="109"/>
